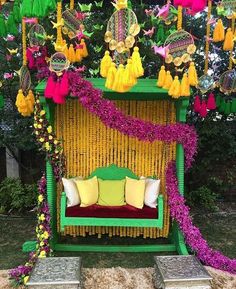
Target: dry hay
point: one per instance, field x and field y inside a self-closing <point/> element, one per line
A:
<point x="121" y="278"/>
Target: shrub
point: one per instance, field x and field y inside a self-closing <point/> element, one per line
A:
<point x="17" y="197"/>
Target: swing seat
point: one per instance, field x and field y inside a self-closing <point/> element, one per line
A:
<point x="123" y="216"/>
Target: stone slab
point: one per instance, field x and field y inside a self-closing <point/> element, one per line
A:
<point x="56" y="273"/>
<point x="180" y="272"/>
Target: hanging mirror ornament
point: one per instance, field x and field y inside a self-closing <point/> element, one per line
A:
<point x="37" y="35"/>
<point x="72" y="24"/>
<point x="227" y="81"/>
<point x="228" y="7"/>
<point x="25" y="79"/>
<point x="205" y="83"/>
<point x="59" y="63"/>
<point x="122" y="27"/>
<point x="180" y="47"/>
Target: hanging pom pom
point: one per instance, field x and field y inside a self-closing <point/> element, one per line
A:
<point x="84" y="51"/>
<point x="3" y="28"/>
<point x="185" y="87"/>
<point x="161" y="76"/>
<point x="11" y="25"/>
<point x="50" y="87"/>
<point x="197" y="104"/>
<point x="30" y="101"/>
<point x="219" y="32"/>
<point x="137" y="63"/>
<point x="192" y="75"/>
<point x="64" y="85"/>
<point x="105" y="64"/>
<point x="57" y="96"/>
<point x="71" y="54"/>
<point x="198" y="5"/>
<point x="229" y="40"/>
<point x="111" y="76"/>
<point x="26" y="8"/>
<point x="168" y="80"/>
<point x="203" y="110"/>
<point x="211" y="104"/>
<point x="118" y="84"/>
<point x="174" y="90"/>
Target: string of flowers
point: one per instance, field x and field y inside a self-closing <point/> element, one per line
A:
<point x="54" y="152"/>
<point x="193" y="237"/>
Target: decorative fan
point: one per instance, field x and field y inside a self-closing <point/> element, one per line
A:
<point x="180" y="47"/>
<point x="59" y="63"/>
<point x="37" y="35"/>
<point x="227" y="81"/>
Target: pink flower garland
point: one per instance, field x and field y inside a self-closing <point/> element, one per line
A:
<point x="193" y="237"/>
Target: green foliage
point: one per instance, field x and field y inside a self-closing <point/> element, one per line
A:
<point x="17" y="197"/>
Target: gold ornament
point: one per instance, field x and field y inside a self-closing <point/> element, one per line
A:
<point x="191" y="48"/>
<point x="112" y="44"/>
<point x="108" y="36"/>
<point x="177" y="61"/>
<point x="169" y="58"/>
<point x="134" y="29"/>
<point x="129" y="41"/>
<point x="185" y="58"/>
<point x="120" y="47"/>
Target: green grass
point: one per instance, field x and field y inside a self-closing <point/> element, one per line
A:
<point x="218" y="229"/>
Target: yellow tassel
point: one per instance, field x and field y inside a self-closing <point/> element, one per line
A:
<point x="229" y="40"/>
<point x="118" y="84"/>
<point x="65" y="51"/>
<point x="21" y="103"/>
<point x="78" y="56"/>
<point x="174" y="90"/>
<point x="111" y="76"/>
<point x="105" y="64"/>
<point x="30" y="101"/>
<point x="192" y="75"/>
<point x="137" y="63"/>
<point x="219" y="32"/>
<point x="71" y="54"/>
<point x="185" y="88"/>
<point x="161" y="76"/>
<point x="129" y="79"/>
<point x="84" y="52"/>
<point x="168" y="80"/>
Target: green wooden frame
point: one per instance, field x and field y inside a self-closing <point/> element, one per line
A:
<point x="145" y="90"/>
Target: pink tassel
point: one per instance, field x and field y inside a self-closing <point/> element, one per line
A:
<point x="178" y="2"/>
<point x="50" y="87"/>
<point x="57" y="96"/>
<point x="198" y="5"/>
<point x="203" y="111"/>
<point x="197" y="104"/>
<point x="187" y="3"/>
<point x="211" y="103"/>
<point x="64" y="89"/>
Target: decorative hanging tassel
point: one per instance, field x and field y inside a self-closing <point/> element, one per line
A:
<point x="26" y="8"/>
<point x="227" y="110"/>
<point x="219" y="32"/>
<point x="203" y="110"/>
<point x="50" y="87"/>
<point x="11" y="25"/>
<point x="197" y="104"/>
<point x="233" y="106"/>
<point x="192" y="75"/>
<point x="118" y="84"/>
<point x="66" y="51"/>
<point x="16" y="11"/>
<point x="137" y="63"/>
<point x="57" y="96"/>
<point x="84" y="51"/>
<point x="38" y="9"/>
<point x="78" y="56"/>
<point x="174" y="90"/>
<point x="161" y="76"/>
<point x="64" y="85"/>
<point x="198" y="5"/>
<point x="222" y="106"/>
<point x="229" y="40"/>
<point x="30" y="101"/>
<point x="211" y="104"/>
<point x="186" y="3"/>
<point x="111" y="76"/>
<point x="71" y="54"/>
<point x="105" y="64"/>
<point x="3" y="28"/>
<point x="21" y="103"/>
<point x="168" y="80"/>
<point x="130" y="78"/>
<point x="218" y="100"/>
<point x="185" y="87"/>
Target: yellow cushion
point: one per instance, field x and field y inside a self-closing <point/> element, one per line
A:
<point x="88" y="191"/>
<point x="111" y="192"/>
<point x="134" y="192"/>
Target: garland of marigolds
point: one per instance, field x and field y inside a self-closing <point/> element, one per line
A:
<point x="112" y="117"/>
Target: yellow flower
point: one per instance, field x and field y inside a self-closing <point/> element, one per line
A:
<point x="56" y="151"/>
<point x="42" y="254"/>
<point x="41" y="139"/>
<point x="41" y="244"/>
<point x="39" y="126"/>
<point x="35" y="125"/>
<point x="47" y="146"/>
<point x="42" y="217"/>
<point x="40" y="198"/>
<point x="50" y="137"/>
<point x="55" y="142"/>
<point x="42" y="112"/>
<point x="26" y="278"/>
<point x="40" y="120"/>
<point x="41" y="227"/>
<point x="46" y="235"/>
<point x="49" y="129"/>
<point x="37" y="133"/>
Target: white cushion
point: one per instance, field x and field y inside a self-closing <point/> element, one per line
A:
<point x="152" y="189"/>
<point x="71" y="191"/>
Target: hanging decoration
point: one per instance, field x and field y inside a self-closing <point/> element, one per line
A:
<point x="193" y="5"/>
<point x="122" y="28"/>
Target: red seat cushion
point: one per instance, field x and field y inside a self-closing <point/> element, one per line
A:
<point x="126" y="211"/>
